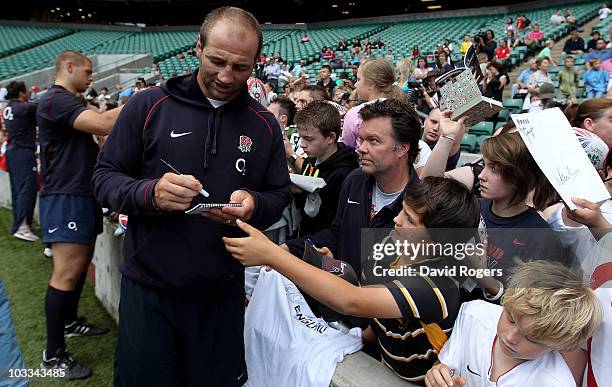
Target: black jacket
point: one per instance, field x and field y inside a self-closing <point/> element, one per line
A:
<point x="343" y="237"/>
<point x="176" y="122"/>
<point x="333" y="170"/>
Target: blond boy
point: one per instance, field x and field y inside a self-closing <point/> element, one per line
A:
<point x="546" y="309"/>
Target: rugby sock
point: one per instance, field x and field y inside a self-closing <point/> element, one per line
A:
<point x="75" y="297"/>
<point x="57" y="303"/>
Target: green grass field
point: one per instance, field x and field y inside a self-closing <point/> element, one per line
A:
<point x="25" y="272"/>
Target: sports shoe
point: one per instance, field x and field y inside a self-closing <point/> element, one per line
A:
<point x="66" y="366"/>
<point x="48" y="252"/>
<point x="25" y="235"/>
<point x="81" y="327"/>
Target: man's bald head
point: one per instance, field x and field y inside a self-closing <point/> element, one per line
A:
<point x="240" y="19"/>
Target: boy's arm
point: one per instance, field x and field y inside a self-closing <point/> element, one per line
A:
<point x="329" y="289"/>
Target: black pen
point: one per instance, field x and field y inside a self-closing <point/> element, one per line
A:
<point x="201" y="190"/>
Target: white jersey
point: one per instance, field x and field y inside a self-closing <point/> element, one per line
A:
<point x="469" y="353"/>
<point x="599" y="372"/>
<point x="424" y="153"/>
<point x="285" y="344"/>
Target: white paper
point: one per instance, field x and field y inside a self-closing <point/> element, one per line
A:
<point x="307" y="183"/>
<point x="554" y="146"/>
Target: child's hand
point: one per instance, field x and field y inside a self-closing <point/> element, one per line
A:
<point x="254" y="250"/>
<point x="325" y="251"/>
<point x="588" y="213"/>
<point x="441" y="376"/>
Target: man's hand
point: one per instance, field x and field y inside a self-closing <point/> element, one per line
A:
<point x="449" y="127"/>
<point x="174" y="192"/>
<point x="253" y="250"/>
<point x="441" y="376"/>
<point x="228" y="215"/>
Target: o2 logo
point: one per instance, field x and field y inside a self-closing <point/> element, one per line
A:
<point x="7" y="114"/>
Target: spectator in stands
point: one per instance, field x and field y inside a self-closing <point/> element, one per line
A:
<point x="602" y="53"/>
<point x="509" y="26"/>
<point x="546" y="53"/>
<point x="285" y="75"/>
<point x="533" y="39"/>
<point x="270" y="93"/>
<point x="329" y="54"/>
<point x="35" y="94"/>
<point x="356" y="56"/>
<point x="325" y="80"/>
<point x="356" y="43"/>
<point x="70" y="217"/>
<point x="308" y="94"/>
<point x="487" y="44"/>
<point x="467" y="43"/>
<point x="421" y="69"/>
<point x="319" y="129"/>
<point x="284" y="111"/>
<point x="557" y="18"/>
<point x="103" y="94"/>
<point x="570" y="18"/>
<point x="272" y="72"/>
<point x="432" y="135"/>
<point x="537" y="79"/>
<point x="520" y="88"/>
<point x="367" y="46"/>
<point x="547" y="310"/>
<point x="442" y="61"/>
<point x="322" y="52"/>
<point x="298" y="68"/>
<point x="375" y="80"/>
<point x="495" y="81"/>
<point x="342" y="45"/>
<point x="448" y="47"/>
<point x="594" y="115"/>
<point x="378" y="43"/>
<point x="574" y="45"/>
<point x="596" y="80"/>
<point x="415" y="51"/>
<point x="522" y="23"/>
<point x="305" y="38"/>
<point x="390" y="57"/>
<point x="502" y="53"/>
<point x="404" y="68"/>
<point x="353" y="75"/>
<point x="592" y="44"/>
<point x="511" y="40"/>
<point x="568" y="78"/>
<point x="20" y="123"/>
<point x="3" y="93"/>
<point x="337" y="62"/>
<point x="604" y="12"/>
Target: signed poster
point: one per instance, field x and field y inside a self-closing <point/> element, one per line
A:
<point x="555" y="147"/>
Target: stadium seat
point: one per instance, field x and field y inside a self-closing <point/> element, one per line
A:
<point x="482" y="128"/>
<point x="468" y="143"/>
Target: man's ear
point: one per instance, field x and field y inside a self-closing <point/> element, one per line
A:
<point x="198" y="46"/>
<point x="403" y="149"/>
<point x="332" y="136"/>
<point x="283" y="119"/>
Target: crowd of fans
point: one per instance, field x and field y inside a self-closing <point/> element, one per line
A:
<point x="385" y="166"/>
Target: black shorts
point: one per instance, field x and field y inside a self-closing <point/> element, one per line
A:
<point x="168" y="339"/>
<point x="69" y="218"/>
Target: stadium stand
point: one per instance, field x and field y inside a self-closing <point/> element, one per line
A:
<point x="18" y="38"/>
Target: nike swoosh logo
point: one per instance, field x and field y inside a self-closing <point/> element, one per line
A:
<point x="349" y="201"/>
<point x="175" y="135"/>
<point x="52" y="230"/>
<point x="472" y="372"/>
